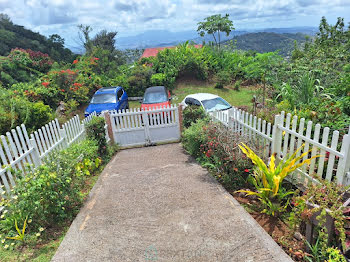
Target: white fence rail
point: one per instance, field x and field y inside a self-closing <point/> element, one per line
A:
<point x="18" y="150"/>
<point x="287" y="135"/>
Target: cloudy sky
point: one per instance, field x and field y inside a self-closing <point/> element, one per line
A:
<point x="130" y="17"/>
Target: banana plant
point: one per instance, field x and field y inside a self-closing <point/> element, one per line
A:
<point x="268" y="179"/>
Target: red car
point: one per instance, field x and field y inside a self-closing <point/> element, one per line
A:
<point x="155" y="97"/>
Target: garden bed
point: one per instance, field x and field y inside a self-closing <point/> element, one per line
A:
<point x="277" y="228"/>
<point x="260" y="186"/>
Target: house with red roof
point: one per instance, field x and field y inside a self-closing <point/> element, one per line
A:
<point x="154" y="51"/>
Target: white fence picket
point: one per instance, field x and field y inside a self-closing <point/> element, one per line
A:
<point x="289" y="135"/>
<point x="17" y="150"/>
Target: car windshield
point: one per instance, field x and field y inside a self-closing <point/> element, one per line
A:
<point x="215" y="104"/>
<point x="155" y="97"/>
<point x="103" y="99"/>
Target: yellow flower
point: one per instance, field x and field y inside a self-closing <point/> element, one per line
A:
<point x="5" y="212"/>
<point x="2" y="216"/>
<point x="6" y="246"/>
<point x="12" y="244"/>
<point x="29" y="221"/>
<point x="3" y="241"/>
<point x="38" y="234"/>
<point x="41" y="229"/>
<point x="15" y="197"/>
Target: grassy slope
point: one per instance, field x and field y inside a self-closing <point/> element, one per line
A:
<point x="184" y="88"/>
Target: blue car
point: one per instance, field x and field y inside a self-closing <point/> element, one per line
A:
<point x="108" y="98"/>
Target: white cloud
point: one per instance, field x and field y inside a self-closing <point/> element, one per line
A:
<point x="134" y="16"/>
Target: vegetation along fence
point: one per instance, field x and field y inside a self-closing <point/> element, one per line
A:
<point x="290" y="133"/>
<point x="19" y="151"/>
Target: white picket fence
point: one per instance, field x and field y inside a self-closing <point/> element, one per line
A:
<point x="19" y="151"/>
<point x="135" y="127"/>
<point x="287" y="135"/>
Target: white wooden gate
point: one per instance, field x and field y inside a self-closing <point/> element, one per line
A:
<point x="137" y="127"/>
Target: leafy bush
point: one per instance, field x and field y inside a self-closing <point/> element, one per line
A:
<point x="325" y="196"/>
<point x="191" y="114"/>
<point x="50" y="194"/>
<point x="216" y="147"/>
<point x="158" y="79"/>
<point x="16" y="109"/>
<point x="138" y="80"/>
<point x="95" y="130"/>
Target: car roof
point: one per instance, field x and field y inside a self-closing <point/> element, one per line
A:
<point x="202" y="96"/>
<point x="155" y="89"/>
<point x="108" y="90"/>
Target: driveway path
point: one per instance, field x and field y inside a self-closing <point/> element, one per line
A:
<point x="156" y="204"/>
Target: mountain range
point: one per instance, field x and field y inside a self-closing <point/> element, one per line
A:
<point x="160" y="38"/>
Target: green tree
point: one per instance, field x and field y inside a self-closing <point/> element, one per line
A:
<point x="214" y="25"/>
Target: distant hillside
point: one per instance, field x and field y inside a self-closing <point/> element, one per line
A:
<point x="159" y="38"/>
<point x="268" y="42"/>
<point x="12" y="36"/>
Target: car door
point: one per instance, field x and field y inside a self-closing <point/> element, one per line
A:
<point x="125" y="100"/>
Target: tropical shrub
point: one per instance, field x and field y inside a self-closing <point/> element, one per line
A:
<point x="216" y="147"/>
<point x="324" y="198"/>
<point x="191" y="114"/>
<point x="158" y="79"/>
<point x="16" y="109"/>
<point x="138" y="80"/>
<point x="268" y="180"/>
<point x="50" y="194"/>
<point x="194" y="136"/>
<point x="96" y="131"/>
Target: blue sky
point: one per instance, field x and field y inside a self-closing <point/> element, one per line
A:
<point x="130" y="17"/>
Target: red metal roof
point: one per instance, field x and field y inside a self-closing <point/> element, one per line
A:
<point x="154" y="51"/>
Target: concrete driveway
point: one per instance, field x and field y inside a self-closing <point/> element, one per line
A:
<point x="157" y="204"/>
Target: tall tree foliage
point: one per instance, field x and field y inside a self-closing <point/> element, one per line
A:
<point x="215" y="25"/>
<point x="15" y="36"/>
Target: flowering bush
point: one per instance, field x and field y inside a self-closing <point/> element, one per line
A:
<point x="50" y="194"/>
<point x="216" y="147"/>
<point x="33" y="59"/>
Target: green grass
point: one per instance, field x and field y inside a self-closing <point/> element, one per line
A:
<point x="235" y="98"/>
<point x="43" y="253"/>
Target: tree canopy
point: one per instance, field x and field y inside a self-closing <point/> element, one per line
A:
<point x="214" y="25"/>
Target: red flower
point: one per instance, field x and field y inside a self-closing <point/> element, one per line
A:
<point x="235" y="169"/>
<point x="45" y="84"/>
<point x="62" y="90"/>
<point x="75" y="61"/>
<point x="246" y="170"/>
<point x="95" y="58"/>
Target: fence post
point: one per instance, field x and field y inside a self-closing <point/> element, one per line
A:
<point x="180" y="118"/>
<point x="344" y="163"/>
<point x="277" y="137"/>
<point x="109" y="126"/>
<point x="145" y="120"/>
<point x="36" y="155"/>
